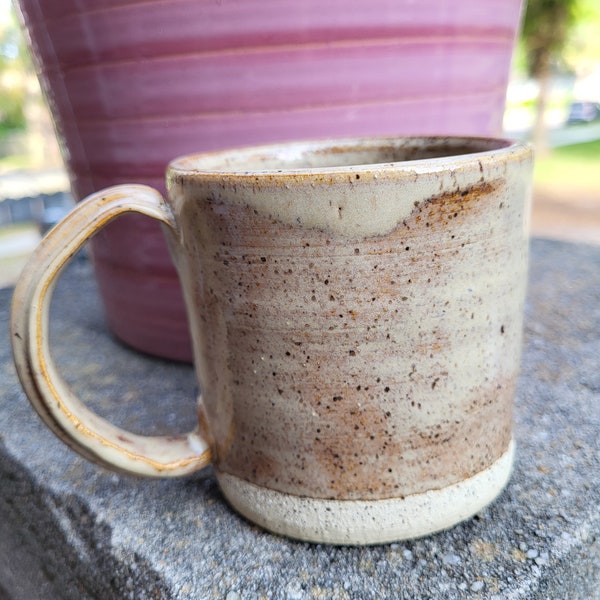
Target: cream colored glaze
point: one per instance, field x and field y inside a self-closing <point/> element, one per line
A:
<point x="293" y="187"/>
<point x="367" y="522"/>
<point x="386" y="335"/>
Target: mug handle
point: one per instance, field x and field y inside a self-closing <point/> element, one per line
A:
<point x="80" y="428"/>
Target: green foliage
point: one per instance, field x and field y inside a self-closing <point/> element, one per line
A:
<point x="545" y="31"/>
<point x="12" y="116"/>
<point x="560" y="33"/>
<point x="13" y="64"/>
<point x="583" y="47"/>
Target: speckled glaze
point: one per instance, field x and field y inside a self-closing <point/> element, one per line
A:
<point x="356" y="314"/>
<point x="357" y="328"/>
<point x="132" y="84"/>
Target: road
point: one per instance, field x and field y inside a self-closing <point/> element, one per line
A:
<point x="565" y="135"/>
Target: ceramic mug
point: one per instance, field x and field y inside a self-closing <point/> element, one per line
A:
<point x="356" y="312"/>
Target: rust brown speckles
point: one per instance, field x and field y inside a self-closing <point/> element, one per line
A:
<point x="452" y="204"/>
<point x="372" y="349"/>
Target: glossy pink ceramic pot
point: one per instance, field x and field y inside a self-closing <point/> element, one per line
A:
<point x="133" y="84"/>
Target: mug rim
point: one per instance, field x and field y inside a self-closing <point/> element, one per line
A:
<point x="226" y="162"/>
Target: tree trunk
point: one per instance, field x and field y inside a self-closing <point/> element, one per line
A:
<point x="540" y="131"/>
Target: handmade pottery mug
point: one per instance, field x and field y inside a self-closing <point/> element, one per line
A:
<point x="356" y="312"/>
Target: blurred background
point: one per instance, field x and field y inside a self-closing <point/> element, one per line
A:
<point x="553" y="99"/>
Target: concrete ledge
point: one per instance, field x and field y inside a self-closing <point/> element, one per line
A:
<point x="69" y="529"/>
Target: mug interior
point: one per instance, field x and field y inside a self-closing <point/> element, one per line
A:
<point x="306" y="156"/>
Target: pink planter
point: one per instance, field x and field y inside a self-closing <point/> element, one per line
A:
<point x="132" y="85"/>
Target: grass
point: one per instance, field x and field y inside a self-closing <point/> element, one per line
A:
<point x="15" y="229"/>
<point x="575" y="166"/>
<point x="14" y="163"/>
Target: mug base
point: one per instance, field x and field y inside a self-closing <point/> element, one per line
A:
<point x="363" y="522"/>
